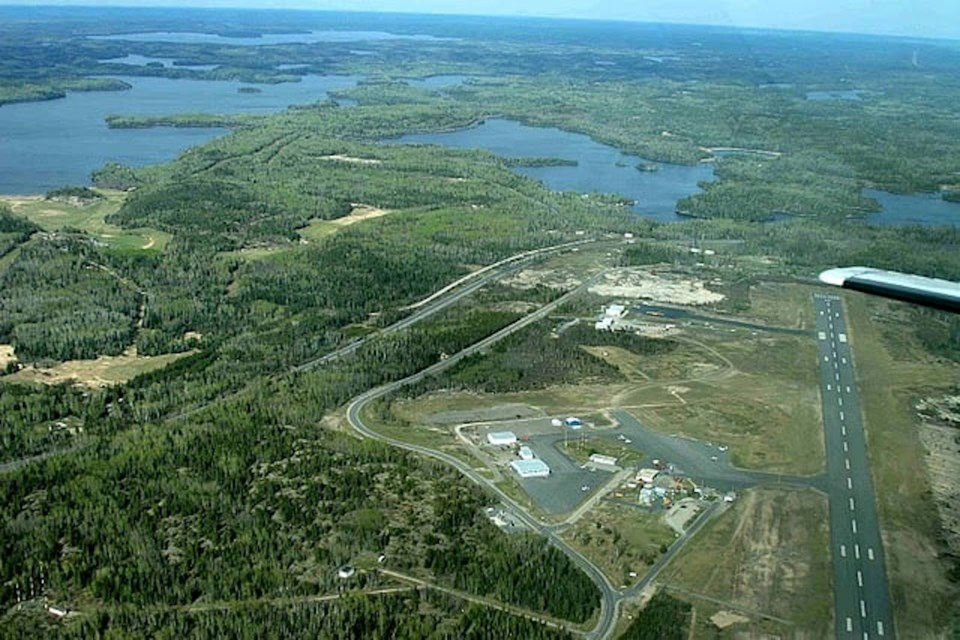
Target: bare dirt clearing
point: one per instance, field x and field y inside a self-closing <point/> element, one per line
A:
<point x="638" y="283"/>
<point x="768" y="553"/>
<point x="6" y="355"/>
<point x="359" y="213"/>
<point x="940" y="435"/>
<point x="102" y="372"/>
<point x="530" y="278"/>
<point x="352" y="159"/>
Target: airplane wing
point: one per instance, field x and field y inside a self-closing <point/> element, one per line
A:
<point x="930" y="292"/>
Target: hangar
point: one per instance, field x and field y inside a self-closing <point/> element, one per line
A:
<point x="535" y="468"/>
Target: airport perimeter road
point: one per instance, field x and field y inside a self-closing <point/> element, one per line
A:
<point x="610" y="598"/>
<point x="861" y="595"/>
<point x="443" y="298"/>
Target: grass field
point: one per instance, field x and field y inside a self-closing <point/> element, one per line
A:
<point x="768" y="554"/>
<point x="104" y="371"/>
<point x="890" y="374"/>
<point x="54" y="215"/>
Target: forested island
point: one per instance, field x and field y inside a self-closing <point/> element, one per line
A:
<point x="174" y="452"/>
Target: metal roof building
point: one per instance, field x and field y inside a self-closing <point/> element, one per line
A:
<point x="535" y="468"/>
<point x="500" y="438"/>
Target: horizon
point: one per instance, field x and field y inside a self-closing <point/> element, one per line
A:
<point x="891" y="19"/>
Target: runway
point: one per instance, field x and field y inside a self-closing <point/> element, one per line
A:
<point x="861" y="593"/>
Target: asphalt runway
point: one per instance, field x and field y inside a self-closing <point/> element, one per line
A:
<point x="861" y="594"/>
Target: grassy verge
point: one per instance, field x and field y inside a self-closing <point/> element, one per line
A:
<point x="922" y="595"/>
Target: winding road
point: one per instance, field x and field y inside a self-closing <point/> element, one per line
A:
<point x="610" y="597"/>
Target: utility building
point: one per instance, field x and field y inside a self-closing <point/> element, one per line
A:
<point x="599" y="458"/>
<point x="502" y="438"/>
<point x="526" y="453"/>
<point x="535" y="468"/>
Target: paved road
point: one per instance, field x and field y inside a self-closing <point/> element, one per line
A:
<point x="610" y="597"/>
<point x="861" y="595"/>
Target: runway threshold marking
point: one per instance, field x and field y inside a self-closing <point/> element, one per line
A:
<point x="870" y="553"/>
<point x="849" y="483"/>
<point x="853" y="525"/>
<point x="860" y="578"/>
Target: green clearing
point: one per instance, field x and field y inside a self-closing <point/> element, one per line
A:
<point x="53" y="215"/>
<point x="317" y="230"/>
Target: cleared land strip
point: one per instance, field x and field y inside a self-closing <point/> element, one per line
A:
<point x="487" y="602"/>
<point x="726" y="605"/>
<point x="443" y="298"/>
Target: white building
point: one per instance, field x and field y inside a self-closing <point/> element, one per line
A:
<point x="526" y="453"/>
<point x="535" y="468"/>
<point x="604" y="324"/>
<point x="502" y="438"/>
<point x="615" y="311"/>
<point x="599" y="458"/>
<point x="647" y="476"/>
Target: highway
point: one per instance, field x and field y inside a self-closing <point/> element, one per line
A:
<point x="861" y="594"/>
<point x="610" y="597"/>
<point x="445" y="297"/>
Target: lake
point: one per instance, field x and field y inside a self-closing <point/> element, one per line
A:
<point x="925" y="209"/>
<point x="600" y="168"/>
<point x="59" y="142"/>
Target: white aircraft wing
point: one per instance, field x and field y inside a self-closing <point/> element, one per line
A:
<point x="930" y="292"/>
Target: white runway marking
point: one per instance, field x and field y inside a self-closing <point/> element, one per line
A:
<point x="860" y="578"/>
<point x="863" y="609"/>
<point x="843" y="551"/>
<point x="856" y="550"/>
<point x="849" y="483"/>
<point x="870" y="553"/>
<point x="843" y="430"/>
<point x="853" y="508"/>
<point x="845" y="448"/>
<point x="846" y="463"/>
<point x="853" y="525"/>
<point x="879" y="628"/>
<point x="848" y="389"/>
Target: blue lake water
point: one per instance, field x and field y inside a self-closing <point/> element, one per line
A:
<point x="45" y="145"/>
<point x="185" y="37"/>
<point x="926" y="209"/>
<point x="600" y="168"/>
